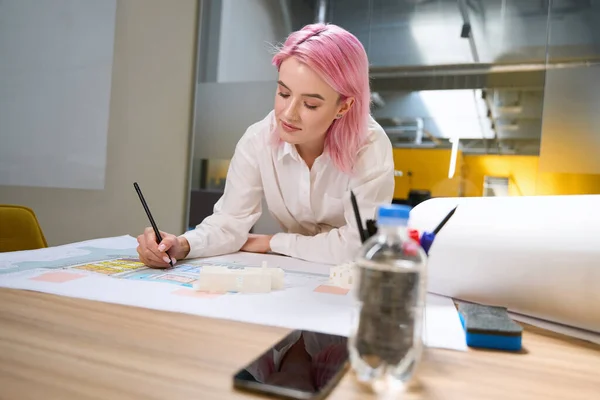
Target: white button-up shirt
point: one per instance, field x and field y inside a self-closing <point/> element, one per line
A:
<point x="312" y="206"/>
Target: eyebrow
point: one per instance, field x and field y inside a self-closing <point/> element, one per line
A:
<point x="315" y="95"/>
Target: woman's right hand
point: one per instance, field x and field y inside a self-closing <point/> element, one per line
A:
<point x="155" y="255"/>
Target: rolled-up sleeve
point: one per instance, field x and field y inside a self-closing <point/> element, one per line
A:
<point x="373" y="185"/>
<point x="238" y="209"/>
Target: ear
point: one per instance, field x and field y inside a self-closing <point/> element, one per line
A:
<point x="344" y="107"/>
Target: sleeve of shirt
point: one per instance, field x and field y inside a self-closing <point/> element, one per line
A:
<point x="373" y="185"/>
<point x="238" y="209"/>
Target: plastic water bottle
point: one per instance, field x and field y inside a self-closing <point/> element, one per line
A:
<point x="385" y="344"/>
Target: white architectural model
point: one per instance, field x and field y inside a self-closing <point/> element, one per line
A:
<point x="239" y="279"/>
<point x="343" y="275"/>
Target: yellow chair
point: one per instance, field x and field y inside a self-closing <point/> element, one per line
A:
<point x="19" y="229"/>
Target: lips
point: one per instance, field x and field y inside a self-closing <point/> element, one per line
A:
<point x="289" y="128"/>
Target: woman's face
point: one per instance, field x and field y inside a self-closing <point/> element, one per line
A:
<point x="305" y="105"/>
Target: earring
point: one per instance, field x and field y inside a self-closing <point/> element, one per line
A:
<point x="338" y="116"/>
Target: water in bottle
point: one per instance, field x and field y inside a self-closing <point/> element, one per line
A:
<point x="386" y="341"/>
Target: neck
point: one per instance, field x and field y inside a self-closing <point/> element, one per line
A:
<point x="310" y="151"/>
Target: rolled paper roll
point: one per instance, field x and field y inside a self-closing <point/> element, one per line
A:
<point x="538" y="256"/>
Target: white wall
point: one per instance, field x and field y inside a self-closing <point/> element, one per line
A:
<point x="148" y="137"/>
<point x="249" y="29"/>
<point x="55" y="80"/>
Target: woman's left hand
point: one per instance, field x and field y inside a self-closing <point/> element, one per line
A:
<point x="257" y="243"/>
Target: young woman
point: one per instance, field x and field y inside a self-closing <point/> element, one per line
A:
<point x="304" y="157"/>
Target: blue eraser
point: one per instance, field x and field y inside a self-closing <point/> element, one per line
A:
<point x="489" y="327"/>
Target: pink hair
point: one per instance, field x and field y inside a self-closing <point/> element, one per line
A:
<point x="339" y="58"/>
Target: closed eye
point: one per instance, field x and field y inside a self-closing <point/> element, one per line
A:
<point x="286" y="95"/>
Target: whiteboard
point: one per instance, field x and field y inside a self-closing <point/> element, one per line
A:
<point x="56" y="61"/>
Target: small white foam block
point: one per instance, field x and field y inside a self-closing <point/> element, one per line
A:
<point x="243" y="280"/>
<point x="343" y="275"/>
<point x="277" y="275"/>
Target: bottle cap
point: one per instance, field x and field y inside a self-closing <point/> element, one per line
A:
<point x="393" y="214"/>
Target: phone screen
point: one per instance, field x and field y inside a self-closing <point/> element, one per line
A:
<point x="303" y="365"/>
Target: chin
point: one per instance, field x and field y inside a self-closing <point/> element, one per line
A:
<point x="286" y="137"/>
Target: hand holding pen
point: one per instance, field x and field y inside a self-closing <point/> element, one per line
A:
<point x="159" y="249"/>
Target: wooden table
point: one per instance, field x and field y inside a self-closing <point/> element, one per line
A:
<point x="55" y="347"/>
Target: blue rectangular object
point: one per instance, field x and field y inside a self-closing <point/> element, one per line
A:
<point x="489" y="327"/>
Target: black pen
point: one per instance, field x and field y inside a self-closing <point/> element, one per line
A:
<point x="444" y="221"/>
<point x="427" y="238"/>
<point x="156" y="232"/>
<point x="361" y="231"/>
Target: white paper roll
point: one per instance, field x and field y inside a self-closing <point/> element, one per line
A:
<point x="538" y="256"/>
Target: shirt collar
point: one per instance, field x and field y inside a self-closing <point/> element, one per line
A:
<point x="287" y="149"/>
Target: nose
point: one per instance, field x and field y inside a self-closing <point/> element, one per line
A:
<point x="291" y="111"/>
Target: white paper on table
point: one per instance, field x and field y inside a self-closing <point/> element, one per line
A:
<point x="299" y="306"/>
<point x="443" y="328"/>
<point x="124" y="242"/>
<point x="12" y="260"/>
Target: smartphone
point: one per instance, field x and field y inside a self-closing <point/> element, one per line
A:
<point x="304" y="365"/>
